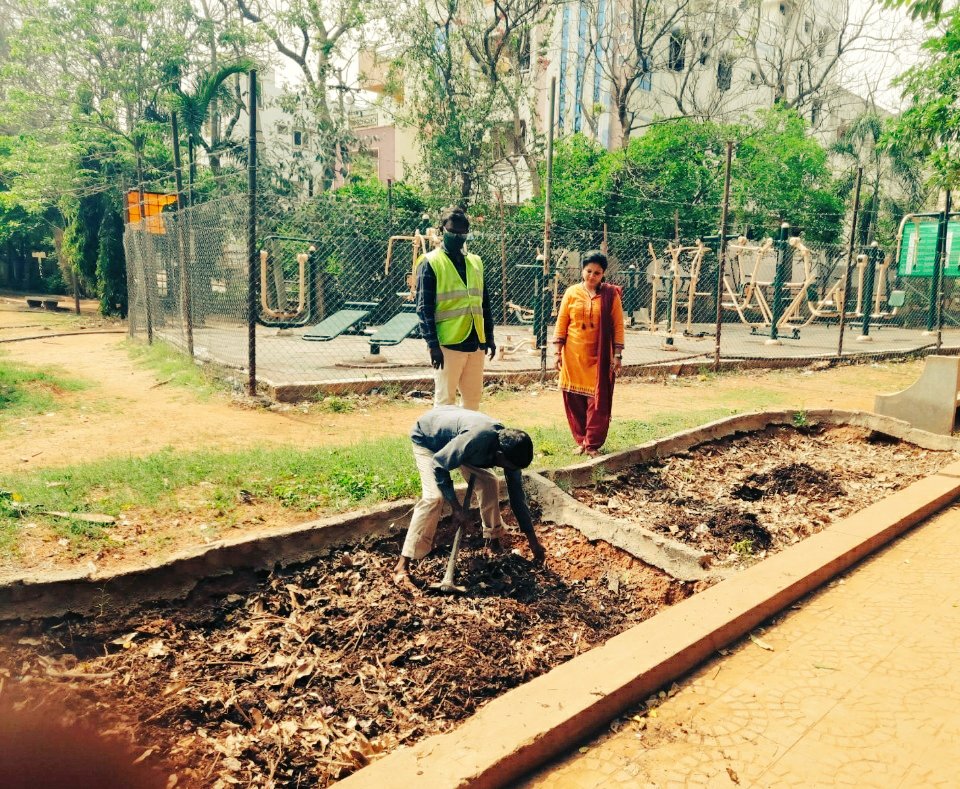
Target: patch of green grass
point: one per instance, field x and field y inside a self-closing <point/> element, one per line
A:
<point x="173" y="367"/>
<point x="744" y="547"/>
<point x="304" y="480"/>
<point x="554" y="445"/>
<point x="26" y="390"/>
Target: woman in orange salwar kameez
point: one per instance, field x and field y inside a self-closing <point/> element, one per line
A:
<point x="589" y="339"/>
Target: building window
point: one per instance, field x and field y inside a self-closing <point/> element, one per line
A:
<point x="646" y="73"/>
<point x="675" y="56"/>
<point x="523" y="49"/>
<point x="823" y="37"/>
<point x="816" y="110"/>
<point x="807" y="26"/>
<point x="298" y="138"/>
<point x="754" y="78"/>
<point x="704" y="49"/>
<point x="724" y="73"/>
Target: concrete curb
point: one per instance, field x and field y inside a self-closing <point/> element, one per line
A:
<point x="693" y="364"/>
<point x="676" y="558"/>
<point x="527" y="726"/>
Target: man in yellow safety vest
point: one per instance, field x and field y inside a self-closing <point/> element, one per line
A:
<point x="454" y="311"/>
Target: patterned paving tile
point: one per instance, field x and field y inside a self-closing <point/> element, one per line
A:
<point x="861" y="689"/>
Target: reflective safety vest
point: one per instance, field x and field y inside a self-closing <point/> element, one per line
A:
<point x="458" y="309"/>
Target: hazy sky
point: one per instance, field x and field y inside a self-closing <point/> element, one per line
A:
<point x="873" y="70"/>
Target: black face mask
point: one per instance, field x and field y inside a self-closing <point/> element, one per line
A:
<point x="453" y="242"/>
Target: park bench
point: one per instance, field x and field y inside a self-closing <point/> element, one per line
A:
<point x="931" y="402"/>
<point x="350" y="319"/>
<point x="395" y="330"/>
<point x="34" y="304"/>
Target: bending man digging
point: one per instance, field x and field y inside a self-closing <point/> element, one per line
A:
<point x="449" y="437"/>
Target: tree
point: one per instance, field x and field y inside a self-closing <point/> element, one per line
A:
<point x="193" y="108"/>
<point x="930" y="126"/>
<point x="81" y="98"/>
<point x="315" y="38"/>
<point x="626" y="53"/>
<point x="919" y="9"/>
<point x="467" y="70"/>
<point x="893" y="182"/>
<point x="672" y="178"/>
<point x="782" y="175"/>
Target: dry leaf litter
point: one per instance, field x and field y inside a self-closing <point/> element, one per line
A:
<point x="306" y="675"/>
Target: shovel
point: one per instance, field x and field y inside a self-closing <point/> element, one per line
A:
<point x="447" y="586"/>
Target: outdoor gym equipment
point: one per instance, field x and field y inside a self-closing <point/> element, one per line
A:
<point x="741" y="284"/>
<point x="419" y="242"/>
<point x="447" y="586"/>
<point x="350" y="319"/>
<point x="395" y="330"/>
<point x="285" y="302"/>
<point x="682" y="278"/>
<point x="792" y="317"/>
<point x="282" y="311"/>
<point x="746" y="293"/>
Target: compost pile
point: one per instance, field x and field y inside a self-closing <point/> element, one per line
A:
<point x="739" y="499"/>
<point x="314" y="672"/>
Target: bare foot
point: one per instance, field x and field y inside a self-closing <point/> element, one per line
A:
<point x="594" y="453"/>
<point x="579" y="451"/>
<point x="401" y="579"/>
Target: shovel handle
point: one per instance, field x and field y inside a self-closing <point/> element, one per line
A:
<point x="452" y="561"/>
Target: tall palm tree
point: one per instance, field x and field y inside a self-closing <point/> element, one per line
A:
<point x="886" y="169"/>
<point x="193" y="108"/>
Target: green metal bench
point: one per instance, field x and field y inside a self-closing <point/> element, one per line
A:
<point x="395" y="330"/>
<point x="350" y="319"/>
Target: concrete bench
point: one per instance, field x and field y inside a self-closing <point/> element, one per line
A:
<point x="931" y="402"/>
<point x="34" y="304"/>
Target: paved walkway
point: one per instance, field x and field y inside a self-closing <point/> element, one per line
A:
<point x="860" y="687"/>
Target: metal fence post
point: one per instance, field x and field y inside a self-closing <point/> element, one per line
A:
<point x="186" y="307"/>
<point x="722" y="252"/>
<point x="849" y="267"/>
<point x="780" y="276"/>
<point x="869" y="280"/>
<point x="935" y="279"/>
<point x="941" y="257"/>
<point x="143" y="262"/>
<point x="541" y="329"/>
<point x="253" y="271"/>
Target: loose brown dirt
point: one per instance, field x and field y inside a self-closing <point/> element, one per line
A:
<point x="316" y="671"/>
<point x="740" y="499"/>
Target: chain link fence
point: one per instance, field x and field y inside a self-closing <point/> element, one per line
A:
<point x="335" y="296"/>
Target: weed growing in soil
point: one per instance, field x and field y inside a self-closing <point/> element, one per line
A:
<point x="335" y="404"/>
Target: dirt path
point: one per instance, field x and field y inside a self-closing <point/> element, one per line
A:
<point x="127" y="411"/>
